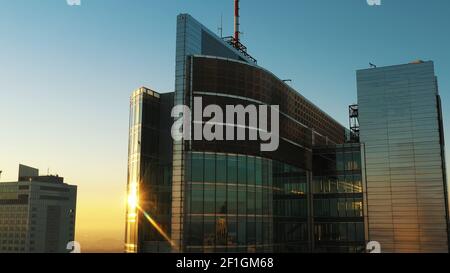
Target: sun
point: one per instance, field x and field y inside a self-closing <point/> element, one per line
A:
<point x="133" y="199"/>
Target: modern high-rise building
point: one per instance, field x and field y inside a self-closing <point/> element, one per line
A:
<point x="149" y="171"/>
<point x="229" y="196"/>
<point x="37" y="213"/>
<point x="401" y="126"/>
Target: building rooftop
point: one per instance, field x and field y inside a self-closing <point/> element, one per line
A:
<point x="416" y="62"/>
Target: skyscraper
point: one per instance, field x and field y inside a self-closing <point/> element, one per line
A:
<point x="401" y="126"/>
<point x="149" y="171"/>
<point x="229" y="195"/>
<point x="37" y="213"/>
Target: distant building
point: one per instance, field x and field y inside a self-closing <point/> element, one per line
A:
<point x="400" y="119"/>
<point x="37" y="213"/>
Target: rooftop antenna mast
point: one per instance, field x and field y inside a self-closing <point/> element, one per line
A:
<point x="221" y="26"/>
<point x="235" y="40"/>
<point x="236" y="22"/>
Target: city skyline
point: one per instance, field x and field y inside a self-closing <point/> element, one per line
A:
<point x="99" y="124"/>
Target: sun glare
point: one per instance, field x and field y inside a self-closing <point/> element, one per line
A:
<point x="133" y="200"/>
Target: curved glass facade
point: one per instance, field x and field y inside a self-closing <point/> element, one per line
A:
<point x="239" y="199"/>
<point x="240" y="203"/>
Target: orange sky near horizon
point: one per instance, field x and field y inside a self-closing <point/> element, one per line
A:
<point x="100" y="222"/>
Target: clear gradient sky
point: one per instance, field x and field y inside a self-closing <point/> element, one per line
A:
<point x="66" y="74"/>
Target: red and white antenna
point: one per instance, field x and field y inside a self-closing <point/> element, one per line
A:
<point x="235" y="40"/>
<point x="236" y="21"/>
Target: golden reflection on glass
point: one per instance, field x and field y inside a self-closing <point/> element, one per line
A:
<point x="156" y="226"/>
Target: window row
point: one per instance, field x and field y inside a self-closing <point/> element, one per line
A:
<point x="339" y="232"/>
<point x="220" y="199"/>
<point x="337" y="184"/>
<point x="222" y="231"/>
<point x="338" y="207"/>
<point x="245" y="170"/>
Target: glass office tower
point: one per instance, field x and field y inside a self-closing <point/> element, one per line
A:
<point x="226" y="196"/>
<point x="192" y="39"/>
<point x="149" y="172"/>
<point x="401" y="126"/>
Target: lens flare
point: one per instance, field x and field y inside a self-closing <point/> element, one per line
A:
<point x="133" y="199"/>
<point x="156" y="226"/>
<point x="133" y="207"/>
<point x="132" y="202"/>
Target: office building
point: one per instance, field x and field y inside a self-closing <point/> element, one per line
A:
<point x="338" y="198"/>
<point x="228" y="196"/>
<point x="400" y="120"/>
<point x="149" y="170"/>
<point x="37" y="213"/>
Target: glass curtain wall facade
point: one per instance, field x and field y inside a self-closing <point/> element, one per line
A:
<point x="280" y="180"/>
<point x="241" y="203"/>
<point x="401" y="126"/>
<point x="338" y="198"/>
<point x="192" y="39"/>
<point x="149" y="172"/>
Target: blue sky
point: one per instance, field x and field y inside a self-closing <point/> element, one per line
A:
<point x="66" y="73"/>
